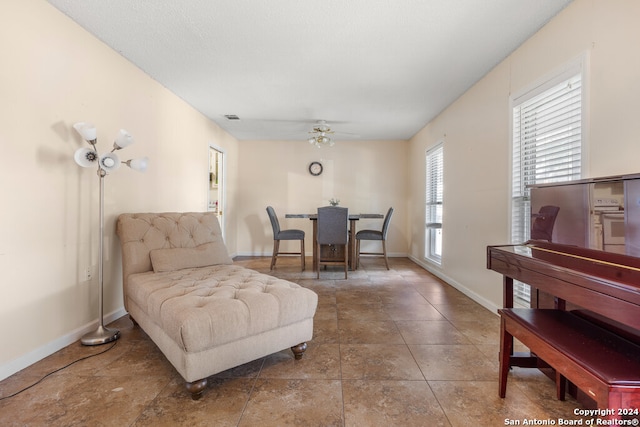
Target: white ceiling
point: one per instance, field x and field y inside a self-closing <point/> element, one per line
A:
<point x="374" y="69"/>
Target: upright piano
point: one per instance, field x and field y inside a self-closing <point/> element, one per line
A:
<point x="601" y="287"/>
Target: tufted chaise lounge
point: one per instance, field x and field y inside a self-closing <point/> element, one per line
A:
<point x="205" y="313"/>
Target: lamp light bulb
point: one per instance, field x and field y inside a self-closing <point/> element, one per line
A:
<point x="109" y="162"/>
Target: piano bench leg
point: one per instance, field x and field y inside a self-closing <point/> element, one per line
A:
<point x="506" y="347"/>
<point x="561" y="386"/>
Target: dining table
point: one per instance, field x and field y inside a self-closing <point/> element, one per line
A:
<point x="351" y="248"/>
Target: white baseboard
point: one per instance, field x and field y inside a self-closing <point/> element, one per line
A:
<point x="309" y="254"/>
<point x="48" y="349"/>
<point x="474" y="296"/>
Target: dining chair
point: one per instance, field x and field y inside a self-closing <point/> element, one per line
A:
<point x="332" y="237"/>
<point x="279" y="235"/>
<point x="379" y="235"/>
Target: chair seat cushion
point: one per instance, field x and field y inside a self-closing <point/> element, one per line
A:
<point x="292" y="234"/>
<point x="369" y="235"/>
<point x="201" y="308"/>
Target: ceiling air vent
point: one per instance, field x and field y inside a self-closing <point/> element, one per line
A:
<point x="232" y="117"/>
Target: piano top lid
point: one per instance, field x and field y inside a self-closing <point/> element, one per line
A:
<point x="535" y="248"/>
<point x="612" y="267"/>
<point x="602" y="282"/>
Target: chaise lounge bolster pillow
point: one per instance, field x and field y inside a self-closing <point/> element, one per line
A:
<point x="170" y="259"/>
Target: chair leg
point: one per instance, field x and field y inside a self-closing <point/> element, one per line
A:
<point x="302" y="253"/>
<point x="346" y="261"/>
<point x="357" y="253"/>
<point x="318" y="255"/>
<point x="384" y="252"/>
<point x="276" y="248"/>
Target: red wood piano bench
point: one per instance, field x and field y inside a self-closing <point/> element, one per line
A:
<point x="598" y="361"/>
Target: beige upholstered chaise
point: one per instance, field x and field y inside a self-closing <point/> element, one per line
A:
<point x="205" y="313"/>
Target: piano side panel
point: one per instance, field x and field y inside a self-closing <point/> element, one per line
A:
<point x="632" y="216"/>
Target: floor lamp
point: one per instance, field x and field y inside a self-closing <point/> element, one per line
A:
<point x="88" y="157"/>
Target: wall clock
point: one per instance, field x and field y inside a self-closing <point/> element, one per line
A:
<point x="315" y="168"/>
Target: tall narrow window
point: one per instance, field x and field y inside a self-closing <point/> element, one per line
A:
<point x="434" y="206"/>
<point x="547" y="147"/>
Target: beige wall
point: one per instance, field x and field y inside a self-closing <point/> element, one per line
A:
<point x="366" y="176"/>
<point x="54" y="74"/>
<point x="476" y="131"/>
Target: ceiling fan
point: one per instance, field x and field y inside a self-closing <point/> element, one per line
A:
<point x="319" y="134"/>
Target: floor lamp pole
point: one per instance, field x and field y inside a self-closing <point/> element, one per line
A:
<point x="102" y="335"/>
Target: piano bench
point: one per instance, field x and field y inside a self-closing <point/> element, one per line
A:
<point x="599" y="362"/>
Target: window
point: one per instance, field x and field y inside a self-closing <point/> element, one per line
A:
<point x="433" y="216"/>
<point x="547" y="147"/>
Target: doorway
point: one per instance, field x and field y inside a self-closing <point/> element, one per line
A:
<point x="216" y="199"/>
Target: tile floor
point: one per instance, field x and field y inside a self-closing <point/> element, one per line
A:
<point x="391" y="348"/>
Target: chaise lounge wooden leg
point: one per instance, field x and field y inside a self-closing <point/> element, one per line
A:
<point x="196" y="388"/>
<point x="298" y="350"/>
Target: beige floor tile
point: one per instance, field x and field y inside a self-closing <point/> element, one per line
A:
<point x="320" y="361"/>
<point x="378" y="362"/>
<point x="357" y="296"/>
<point x="325" y="330"/>
<point x="223" y="405"/>
<point x="480" y="332"/>
<point x="430" y="332"/>
<point x="369" y="332"/>
<point x="279" y="402"/>
<point x="467" y="313"/>
<point x="453" y="363"/>
<point x="391" y="403"/>
<point x="476" y="403"/>
<point x="362" y="312"/>
<point x="416" y="310"/>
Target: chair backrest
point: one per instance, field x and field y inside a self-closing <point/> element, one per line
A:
<point x="544" y="220"/>
<point x="332" y="225"/>
<point x="274" y="221"/>
<point x="385" y="224"/>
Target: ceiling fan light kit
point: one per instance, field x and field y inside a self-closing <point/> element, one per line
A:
<point x="319" y="136"/>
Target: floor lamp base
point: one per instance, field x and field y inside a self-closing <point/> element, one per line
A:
<point x="101" y="335"/>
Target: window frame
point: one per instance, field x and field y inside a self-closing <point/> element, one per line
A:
<point x="576" y="67"/>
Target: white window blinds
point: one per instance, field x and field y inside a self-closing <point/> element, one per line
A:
<point x="434" y="203"/>
<point x="547" y="147"/>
